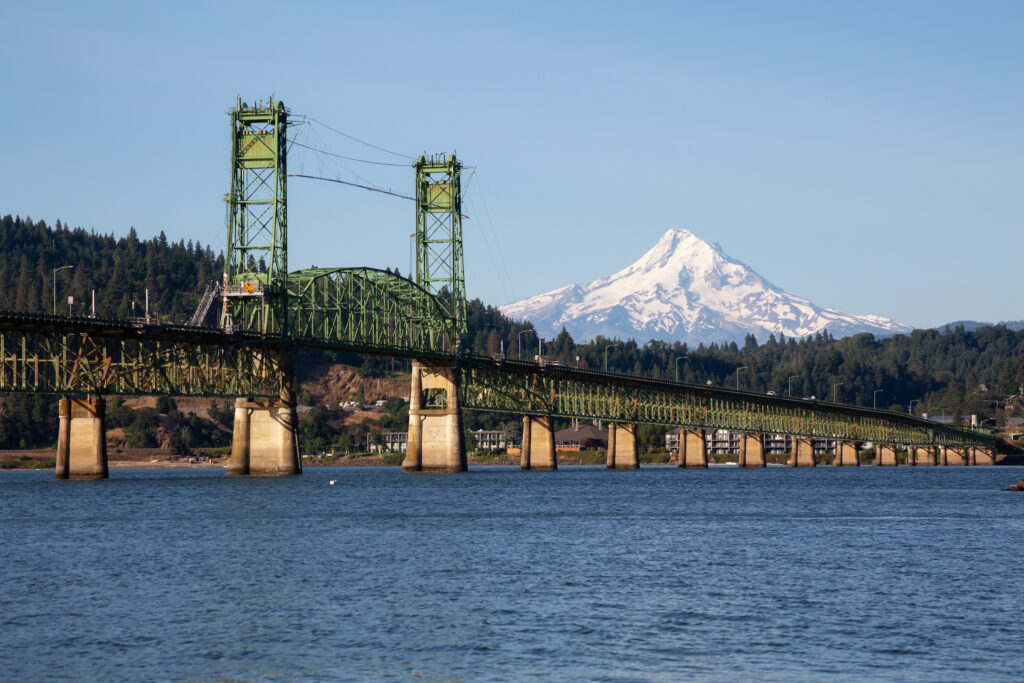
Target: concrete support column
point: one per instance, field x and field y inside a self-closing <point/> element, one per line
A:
<point x="239" y="463"/>
<point x="885" y="455"/>
<point x="847" y="454"/>
<point x="923" y="456"/>
<point x="693" y="449"/>
<point x="63" y="437"/>
<point x="622" y="450"/>
<point x="413" y="461"/>
<point x="264" y="441"/>
<point x="751" y="451"/>
<point x="803" y="453"/>
<point x="82" y="439"/>
<point x="435" y="442"/>
<point x="538" y="446"/>
<point x="954" y="456"/>
<point x="983" y="456"/>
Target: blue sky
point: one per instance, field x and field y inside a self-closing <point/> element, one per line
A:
<point x="865" y="155"/>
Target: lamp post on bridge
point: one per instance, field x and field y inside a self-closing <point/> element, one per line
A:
<point x="610" y="346"/>
<point x="520" y="345"/>
<point x="742" y="367"/>
<point x="835" y="388"/>
<point x="679" y="358"/>
<point x="910" y="407"/>
<point x="55" y="271"/>
<point x="874" y="398"/>
<point x="791" y="378"/>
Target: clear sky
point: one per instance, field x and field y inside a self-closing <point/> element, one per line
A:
<point x="866" y="155"/>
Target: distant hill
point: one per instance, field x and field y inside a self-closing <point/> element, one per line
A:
<point x="973" y="325"/>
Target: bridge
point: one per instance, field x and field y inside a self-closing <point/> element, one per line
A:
<point x="269" y="312"/>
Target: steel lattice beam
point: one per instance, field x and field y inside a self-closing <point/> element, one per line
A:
<point x="439" y="265"/>
<point x="43" y="354"/>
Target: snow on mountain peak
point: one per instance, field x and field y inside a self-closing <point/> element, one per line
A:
<point x="686" y="289"/>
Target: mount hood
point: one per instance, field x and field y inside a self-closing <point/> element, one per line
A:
<point x="686" y="289"/>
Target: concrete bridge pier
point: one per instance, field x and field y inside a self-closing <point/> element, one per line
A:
<point x="983" y="455"/>
<point x="435" y="442"/>
<point x="885" y="455"/>
<point x="264" y="442"/>
<point x="847" y="454"/>
<point x="82" y="439"/>
<point x="622" y="450"/>
<point x="954" y="456"/>
<point x="921" y="456"/>
<point x="538" y="445"/>
<point x="751" y="451"/>
<point x="803" y="453"/>
<point x="693" y="449"/>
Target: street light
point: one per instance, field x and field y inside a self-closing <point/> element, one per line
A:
<point x="835" y="387"/>
<point x="577" y="362"/>
<point x="55" y="270"/>
<point x="910" y="407"/>
<point x="874" y="398"/>
<point x="679" y="358"/>
<point x="521" y="341"/>
<point x="742" y="367"/>
<point x="610" y="346"/>
<point x="791" y="378"/>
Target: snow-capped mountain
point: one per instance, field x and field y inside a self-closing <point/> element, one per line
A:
<point x="686" y="289"/>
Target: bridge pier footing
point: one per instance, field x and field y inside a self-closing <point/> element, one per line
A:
<point x="538" y="445"/>
<point x="263" y="442"/>
<point x="803" y="453"/>
<point x="81" y="439"/>
<point x="983" y="456"/>
<point x="622" y="451"/>
<point x="693" y="449"/>
<point x="751" y="451"/>
<point x="921" y="456"/>
<point x="847" y="454"/>
<point x="885" y="455"/>
<point x="435" y="441"/>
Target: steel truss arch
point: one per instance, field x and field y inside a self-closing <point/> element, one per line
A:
<point x="367" y="309"/>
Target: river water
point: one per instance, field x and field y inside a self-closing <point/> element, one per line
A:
<point x="581" y="574"/>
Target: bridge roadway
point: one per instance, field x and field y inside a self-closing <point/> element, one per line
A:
<point x="98" y="358"/>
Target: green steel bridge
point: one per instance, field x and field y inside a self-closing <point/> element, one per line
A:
<point x="268" y="311"/>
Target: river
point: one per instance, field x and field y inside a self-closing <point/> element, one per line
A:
<point x="659" y="574"/>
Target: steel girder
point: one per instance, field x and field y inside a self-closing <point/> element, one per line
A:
<point x="366" y="309"/>
<point x="46" y="354"/>
<point x="557" y="391"/>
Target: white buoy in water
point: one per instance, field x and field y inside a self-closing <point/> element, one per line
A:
<point x="332" y="481"/>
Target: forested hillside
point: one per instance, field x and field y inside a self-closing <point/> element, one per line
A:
<point x="119" y="270"/>
<point x="952" y="371"/>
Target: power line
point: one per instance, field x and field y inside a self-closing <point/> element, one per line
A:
<point x="342" y="156"/>
<point x="361" y="142"/>
<point x="345" y="182"/>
